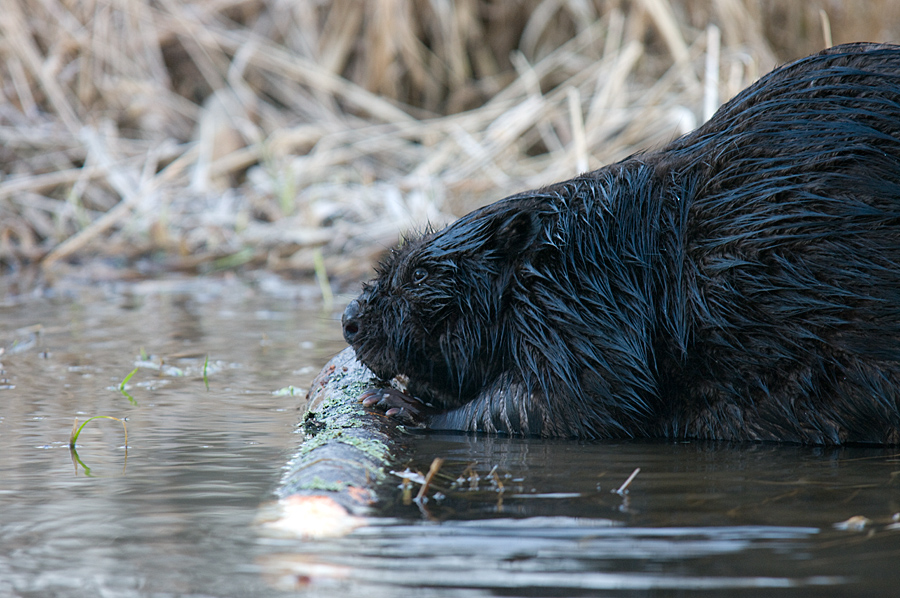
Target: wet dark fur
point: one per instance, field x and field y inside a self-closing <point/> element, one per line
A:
<point x="741" y="283"/>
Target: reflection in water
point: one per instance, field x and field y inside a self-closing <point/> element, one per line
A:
<point x="558" y="554"/>
<point x="76" y="432"/>
<point x="526" y="517"/>
<point x="502" y="516"/>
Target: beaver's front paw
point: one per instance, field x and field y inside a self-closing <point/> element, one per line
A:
<point x="397" y="404"/>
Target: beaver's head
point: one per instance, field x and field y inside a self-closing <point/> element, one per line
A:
<point x="435" y="312"/>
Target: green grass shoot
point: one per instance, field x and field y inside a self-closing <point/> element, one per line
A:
<point x="205" y="372"/>
<point x="127" y="378"/>
<point x="322" y="279"/>
<point x="122" y="387"/>
<point x="239" y="258"/>
<point x="76" y="429"/>
<point x="287" y="194"/>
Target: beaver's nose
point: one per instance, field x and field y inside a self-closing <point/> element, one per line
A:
<point x="350" y="321"/>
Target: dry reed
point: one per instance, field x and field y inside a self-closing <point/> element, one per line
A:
<point x="265" y="132"/>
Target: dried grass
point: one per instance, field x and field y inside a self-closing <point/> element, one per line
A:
<point x="195" y="131"/>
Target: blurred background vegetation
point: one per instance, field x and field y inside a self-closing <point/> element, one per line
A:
<point x="154" y="136"/>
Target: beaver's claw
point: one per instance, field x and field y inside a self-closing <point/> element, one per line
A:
<point x="394" y="403"/>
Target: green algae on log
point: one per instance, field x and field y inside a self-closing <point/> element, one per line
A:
<point x="329" y="485"/>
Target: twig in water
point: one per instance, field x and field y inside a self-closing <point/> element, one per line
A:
<point x="432" y="471"/>
<point x="621" y="489"/>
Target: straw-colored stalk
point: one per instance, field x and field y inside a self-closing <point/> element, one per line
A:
<point x="279" y="131"/>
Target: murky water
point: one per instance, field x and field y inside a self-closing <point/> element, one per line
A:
<point x="505" y="517"/>
<point x="547" y="518"/>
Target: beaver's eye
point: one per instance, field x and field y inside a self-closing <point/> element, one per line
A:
<point x="419" y="275"/>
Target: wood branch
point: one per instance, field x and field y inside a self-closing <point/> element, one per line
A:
<point x="347" y="453"/>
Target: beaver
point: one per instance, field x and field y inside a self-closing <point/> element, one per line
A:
<point x="741" y="283"/>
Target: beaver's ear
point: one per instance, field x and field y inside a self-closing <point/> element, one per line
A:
<point x="517" y="233"/>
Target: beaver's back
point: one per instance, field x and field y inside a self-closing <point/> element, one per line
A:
<point x="793" y="245"/>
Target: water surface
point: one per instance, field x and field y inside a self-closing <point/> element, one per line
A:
<point x="505" y="517"/>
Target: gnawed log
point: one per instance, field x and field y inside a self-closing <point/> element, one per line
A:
<point x="330" y="484"/>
